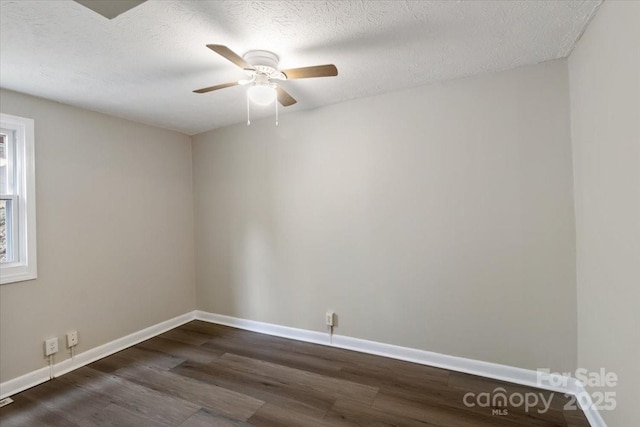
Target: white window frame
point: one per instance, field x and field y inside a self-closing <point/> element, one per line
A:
<point x="24" y="263"/>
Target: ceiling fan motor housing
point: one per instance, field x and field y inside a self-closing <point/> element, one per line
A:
<point x="264" y="61"/>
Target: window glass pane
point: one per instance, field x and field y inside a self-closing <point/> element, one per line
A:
<point x="7" y="162"/>
<point x="4" y="227"/>
<point x="3" y="165"/>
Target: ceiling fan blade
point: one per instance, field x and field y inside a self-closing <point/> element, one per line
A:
<point x="328" y="70"/>
<point x="216" y="87"/>
<point x="231" y="56"/>
<point x="284" y="98"/>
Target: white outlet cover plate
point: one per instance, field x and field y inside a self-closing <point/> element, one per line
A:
<point x="72" y="338"/>
<point x="51" y="346"/>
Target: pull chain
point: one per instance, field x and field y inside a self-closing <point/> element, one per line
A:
<point x="276" y="112"/>
<point x="248" y="117"/>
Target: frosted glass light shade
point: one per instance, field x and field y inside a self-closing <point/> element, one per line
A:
<point x="262" y="94"/>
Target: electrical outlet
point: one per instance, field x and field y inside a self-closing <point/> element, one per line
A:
<point x="72" y="339"/>
<point x="329" y="318"/>
<point x="51" y="346"/>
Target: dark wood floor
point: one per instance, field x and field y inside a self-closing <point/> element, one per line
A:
<point x="202" y="374"/>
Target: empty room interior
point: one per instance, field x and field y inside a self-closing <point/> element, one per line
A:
<point x="320" y="213"/>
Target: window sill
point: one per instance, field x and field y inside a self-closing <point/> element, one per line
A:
<point x="16" y="274"/>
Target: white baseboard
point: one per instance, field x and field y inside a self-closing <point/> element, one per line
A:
<point x="265" y="328"/>
<point x="496" y="371"/>
<point x="41" y="375"/>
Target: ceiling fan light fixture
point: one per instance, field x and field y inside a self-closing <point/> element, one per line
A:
<point x="262" y="94"/>
<point x="262" y="71"/>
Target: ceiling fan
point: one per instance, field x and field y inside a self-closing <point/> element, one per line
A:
<point x="263" y="74"/>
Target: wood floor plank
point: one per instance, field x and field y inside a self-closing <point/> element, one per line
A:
<point x="185" y="336"/>
<point x="140" y="400"/>
<point x="281" y="355"/>
<point x="230" y="403"/>
<point x="111" y="363"/>
<point x="348" y="413"/>
<point x="271" y="415"/>
<point x="141" y="358"/>
<point x="392" y="376"/>
<point x="148" y="357"/>
<point x="117" y="416"/>
<point x="305" y="381"/>
<point x="264" y="388"/>
<point x="25" y="412"/>
<point x="386" y="379"/>
<point x="75" y="402"/>
<point x="208" y="418"/>
<point x="184" y="351"/>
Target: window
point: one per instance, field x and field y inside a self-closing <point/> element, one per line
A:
<point x="17" y="200"/>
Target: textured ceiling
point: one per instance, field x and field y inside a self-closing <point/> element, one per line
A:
<point x="143" y="64"/>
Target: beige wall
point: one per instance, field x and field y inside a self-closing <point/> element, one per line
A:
<point x="605" y="116"/>
<point x="438" y="218"/>
<point x="115" y="233"/>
